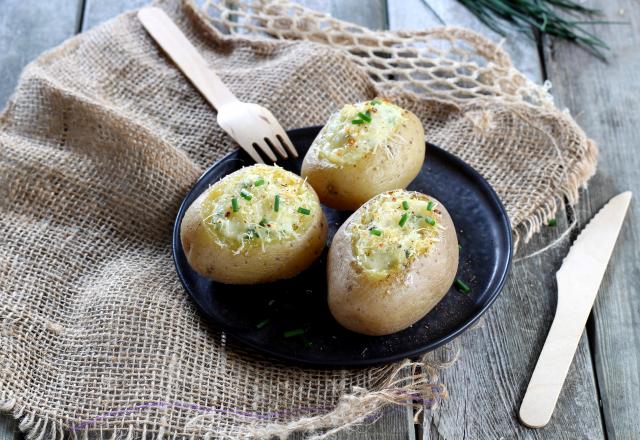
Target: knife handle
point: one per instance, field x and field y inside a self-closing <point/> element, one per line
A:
<point x="552" y="367"/>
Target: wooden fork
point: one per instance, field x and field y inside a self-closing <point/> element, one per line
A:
<point x="250" y="125"/>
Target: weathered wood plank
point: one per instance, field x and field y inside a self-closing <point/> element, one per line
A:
<point x="487" y="384"/>
<point x="413" y="14"/>
<point x="604" y="99"/>
<point x="27" y="28"/>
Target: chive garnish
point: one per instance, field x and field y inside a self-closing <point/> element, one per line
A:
<point x="304" y="211"/>
<point x="430" y="220"/>
<point x="375" y="231"/>
<point x="263" y="323"/>
<point x="403" y="219"/>
<point x="357" y="121"/>
<point x="308" y="344"/>
<point x="375" y="102"/>
<point x="276" y="203"/>
<point x="251" y="233"/>
<point x="429" y="205"/>
<point x="405" y="205"/>
<point x="365" y="116"/>
<point x="462" y="286"/>
<point x="234" y="204"/>
<point x="245" y="195"/>
<point x="459" y="247"/>
<point x="552" y="222"/>
<point x="258" y="182"/>
<point x="292" y="333"/>
<point x="263" y="222"/>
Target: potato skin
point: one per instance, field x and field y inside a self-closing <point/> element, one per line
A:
<point x="349" y="186"/>
<point x="381" y="307"/>
<point x="253" y="266"/>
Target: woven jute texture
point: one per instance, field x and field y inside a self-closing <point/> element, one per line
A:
<point x="103" y="138"/>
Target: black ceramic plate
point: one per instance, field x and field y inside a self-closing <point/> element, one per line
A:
<point x="483" y="231"/>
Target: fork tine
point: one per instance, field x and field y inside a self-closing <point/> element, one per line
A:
<point x="266" y="150"/>
<point x="277" y="145"/>
<point x="252" y="152"/>
<point x="284" y="139"/>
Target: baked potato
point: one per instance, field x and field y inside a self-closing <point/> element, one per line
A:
<point x="256" y="225"/>
<point x="391" y="262"/>
<point x="364" y="150"/>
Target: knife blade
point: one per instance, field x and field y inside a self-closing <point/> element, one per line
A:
<point x="578" y="279"/>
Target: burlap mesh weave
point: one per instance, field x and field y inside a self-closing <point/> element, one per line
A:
<point x="103" y="138"/>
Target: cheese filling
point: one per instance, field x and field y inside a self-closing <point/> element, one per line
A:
<point x="258" y="205"/>
<point x="359" y="129"/>
<point x="392" y="230"/>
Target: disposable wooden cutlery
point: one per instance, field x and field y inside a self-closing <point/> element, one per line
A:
<point x="579" y="279"/>
<point x="250" y="125"/>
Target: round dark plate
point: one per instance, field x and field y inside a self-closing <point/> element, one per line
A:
<point x="483" y="232"/>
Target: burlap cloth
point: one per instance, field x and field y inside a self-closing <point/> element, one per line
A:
<point x="103" y="138"/>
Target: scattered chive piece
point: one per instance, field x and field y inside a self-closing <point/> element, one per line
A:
<point x="263" y="222"/>
<point x="430" y="206"/>
<point x="403" y="219"/>
<point x="234" y="204"/>
<point x="405" y="205"/>
<point x="251" y="233"/>
<point x="258" y="182"/>
<point x="245" y="195"/>
<point x="459" y="247"/>
<point x="375" y="231"/>
<point x="430" y="220"/>
<point x="357" y="121"/>
<point x="375" y="102"/>
<point x="365" y="116"/>
<point x="276" y="203"/>
<point x="462" y="286"/>
<point x="308" y="344"/>
<point x="304" y="211"/>
<point x="292" y="333"/>
<point x="263" y="323"/>
<point x="552" y="222"/>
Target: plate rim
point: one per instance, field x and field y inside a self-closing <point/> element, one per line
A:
<point x="356" y="363"/>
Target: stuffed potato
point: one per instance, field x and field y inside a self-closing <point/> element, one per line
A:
<point x="256" y="225"/>
<point x="363" y="150"/>
<point x="391" y="262"/>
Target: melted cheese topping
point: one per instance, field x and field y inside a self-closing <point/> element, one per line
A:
<point x="255" y="221"/>
<point x="381" y="245"/>
<point x="344" y="142"/>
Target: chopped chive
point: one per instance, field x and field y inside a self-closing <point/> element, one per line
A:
<point x="375" y="102"/>
<point x="292" y="333"/>
<point x="263" y="222"/>
<point x="462" y="286"/>
<point x="308" y="344"/>
<point x="403" y="219"/>
<point x="405" y="205"/>
<point x="245" y="194"/>
<point x="263" y="323"/>
<point x="251" y="233"/>
<point x="234" y="204"/>
<point x="553" y="222"/>
<point x="276" y="203"/>
<point x="365" y="116"/>
<point x="430" y="220"/>
<point x="304" y="211"/>
<point x="258" y="182"/>
<point x="429" y="205"/>
<point x="375" y="231"/>
<point x="357" y="121"/>
<point x="459" y="247"/>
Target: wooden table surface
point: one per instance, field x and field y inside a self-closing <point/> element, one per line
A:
<point x="601" y="397"/>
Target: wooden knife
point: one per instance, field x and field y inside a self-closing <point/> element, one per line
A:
<point x="578" y="279"/>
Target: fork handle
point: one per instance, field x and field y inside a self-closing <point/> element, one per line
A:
<point x="171" y="39"/>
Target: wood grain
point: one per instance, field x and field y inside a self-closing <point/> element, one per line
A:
<point x="27" y="28"/>
<point x="604" y="97"/>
